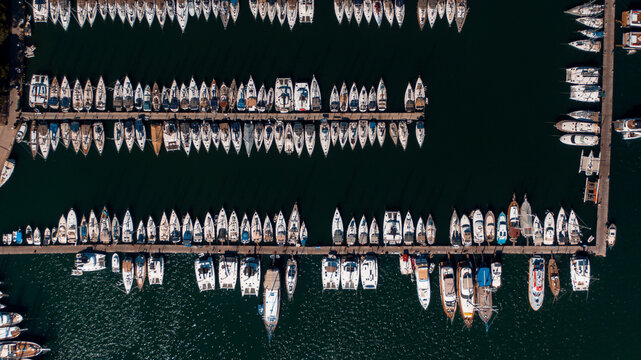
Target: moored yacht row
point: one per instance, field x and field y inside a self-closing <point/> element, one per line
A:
<point x="631" y="40"/>
<point x="286" y="96"/>
<point x="589" y="15"/>
<point x="394" y="11"/>
<point x="9" y="331"/>
<point x="162" y="11"/>
<point x="395" y="230"/>
<point x="584" y="127"/>
<point x="219" y="228"/>
<point x="287" y="137"/>
<point x="516" y="222"/>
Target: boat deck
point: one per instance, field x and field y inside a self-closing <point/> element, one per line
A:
<point x="606" y="128"/>
<point x="294" y="250"/>
<point x="255" y="116"/>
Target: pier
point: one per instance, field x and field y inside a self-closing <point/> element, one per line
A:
<point x="296" y="250"/>
<point x="606" y="128"/>
<point x="232" y="116"/>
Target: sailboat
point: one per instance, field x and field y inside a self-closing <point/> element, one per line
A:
<point x="271" y="300"/>
<point x="337" y="228"/>
<point x="291" y="273"/>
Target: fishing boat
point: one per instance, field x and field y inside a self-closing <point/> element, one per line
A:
<point x="227" y="272"/>
<point x="553" y="278"/>
<point x="422" y="276"/>
<point x="369" y="272"/>
<point x="514" y="226"/>
<point x="392" y="228"/>
<point x="409" y="98"/>
<point x="205" y="273"/>
<point x="447" y="284"/>
<point x="536" y="282"/>
<point x="331" y="272"/>
<point x="350" y="273"/>
<point x="271" y="300"/>
<point x="580" y="139"/>
<point x="127" y="273"/>
<point x="408" y="230"/>
<point x="478" y="229"/>
<point x="20" y="350"/>
<point x="580" y="272"/>
<point x="256" y="229"/>
<point x="156" y="269"/>
<point x="483" y="292"/>
<point x="249" y="276"/>
<point x="352" y="232"/>
<point x="466" y="230"/>
<point x="268" y="230"/>
<point x="337" y="228"/>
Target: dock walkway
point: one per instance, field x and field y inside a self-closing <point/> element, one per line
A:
<point x="606" y="128"/>
<point x="295" y="250"/>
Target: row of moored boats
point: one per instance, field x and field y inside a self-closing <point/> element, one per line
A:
<point x="136" y="11"/>
<point x="286" y="96"/>
<point x="9" y="331"/>
<point x="591" y="16"/>
<point x="172" y="229"/>
<point x="288" y="137"/>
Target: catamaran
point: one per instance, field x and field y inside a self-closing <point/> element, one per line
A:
<point x="350" y="273"/>
<point x="271" y="300"/>
<point x="205" y="273"/>
<point x="331" y="272"/>
<point x="227" y="272"/>
<point x="249" y="276"/>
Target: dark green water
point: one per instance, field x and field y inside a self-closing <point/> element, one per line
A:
<point x="495" y="91"/>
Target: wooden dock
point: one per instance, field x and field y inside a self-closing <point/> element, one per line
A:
<point x="232" y="116"/>
<point x="606" y="128"/>
<point x="294" y="250"/>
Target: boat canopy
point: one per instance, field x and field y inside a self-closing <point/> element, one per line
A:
<point x="483" y="277"/>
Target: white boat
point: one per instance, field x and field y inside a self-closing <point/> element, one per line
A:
<point x="369" y="272"/>
<point x="234" y="228"/>
<point x="490" y="227"/>
<point x="175" y="234"/>
<point x="582" y="75"/>
<point x="291" y="274"/>
<point x="256" y="229"/>
<point x="363" y="231"/>
<point x="302" y="101"/>
<point x="187" y="230"/>
<point x="271" y="300"/>
<point x="99" y="136"/>
<point x="580" y="273"/>
<point x="141" y="134"/>
<point x="352" y="232"/>
<point x="115" y="262"/>
<point x="570" y="126"/>
<point x="403" y="133"/>
<point x="324" y="135"/>
<point x="292" y="13"/>
<point x="548" y="229"/>
<point x="182" y="14"/>
<point x="88" y="261"/>
<point x="127" y="273"/>
<point x="161" y="12"/>
<point x="536" y="282"/>
<point x="574" y="229"/>
<point x="447" y="284"/>
<point x="461" y="13"/>
<point x="281" y="229"/>
<point x="358" y="11"/>
<point x="293" y="227"/>
<point x="465" y="288"/>
<point x="388" y="8"/>
<point x="537" y="228"/>
<point x="7" y="170"/>
<point x="420" y="100"/>
<point x="409" y="98"/>
<point x="339" y="10"/>
<point x="422" y="276"/>
<point x="141" y="233"/>
<point x="331" y="272"/>
<point x="250" y="276"/>
<point x="236" y="136"/>
<point x="587" y="9"/>
<point x="380" y="133"/>
<point x="408" y="230"/>
<point x="392" y="228"/>
<point x="205" y="273"/>
<point x="227" y="272"/>
<point x="399" y="11"/>
<point x="337" y="228"/>
<point x="478" y="228"/>
<point x="268" y="230"/>
<point x="151" y="230"/>
<point x="580" y="139"/>
<point x="156" y="269"/>
<point x="589" y="45"/>
<point x="421" y="235"/>
<point x="245" y="230"/>
<point x="62" y="230"/>
<point x="163" y="229"/>
<point x="221" y="226"/>
<point x="350" y="273"/>
<point x="306" y="11"/>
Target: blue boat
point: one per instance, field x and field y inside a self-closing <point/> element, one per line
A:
<point x="19" y="237"/>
